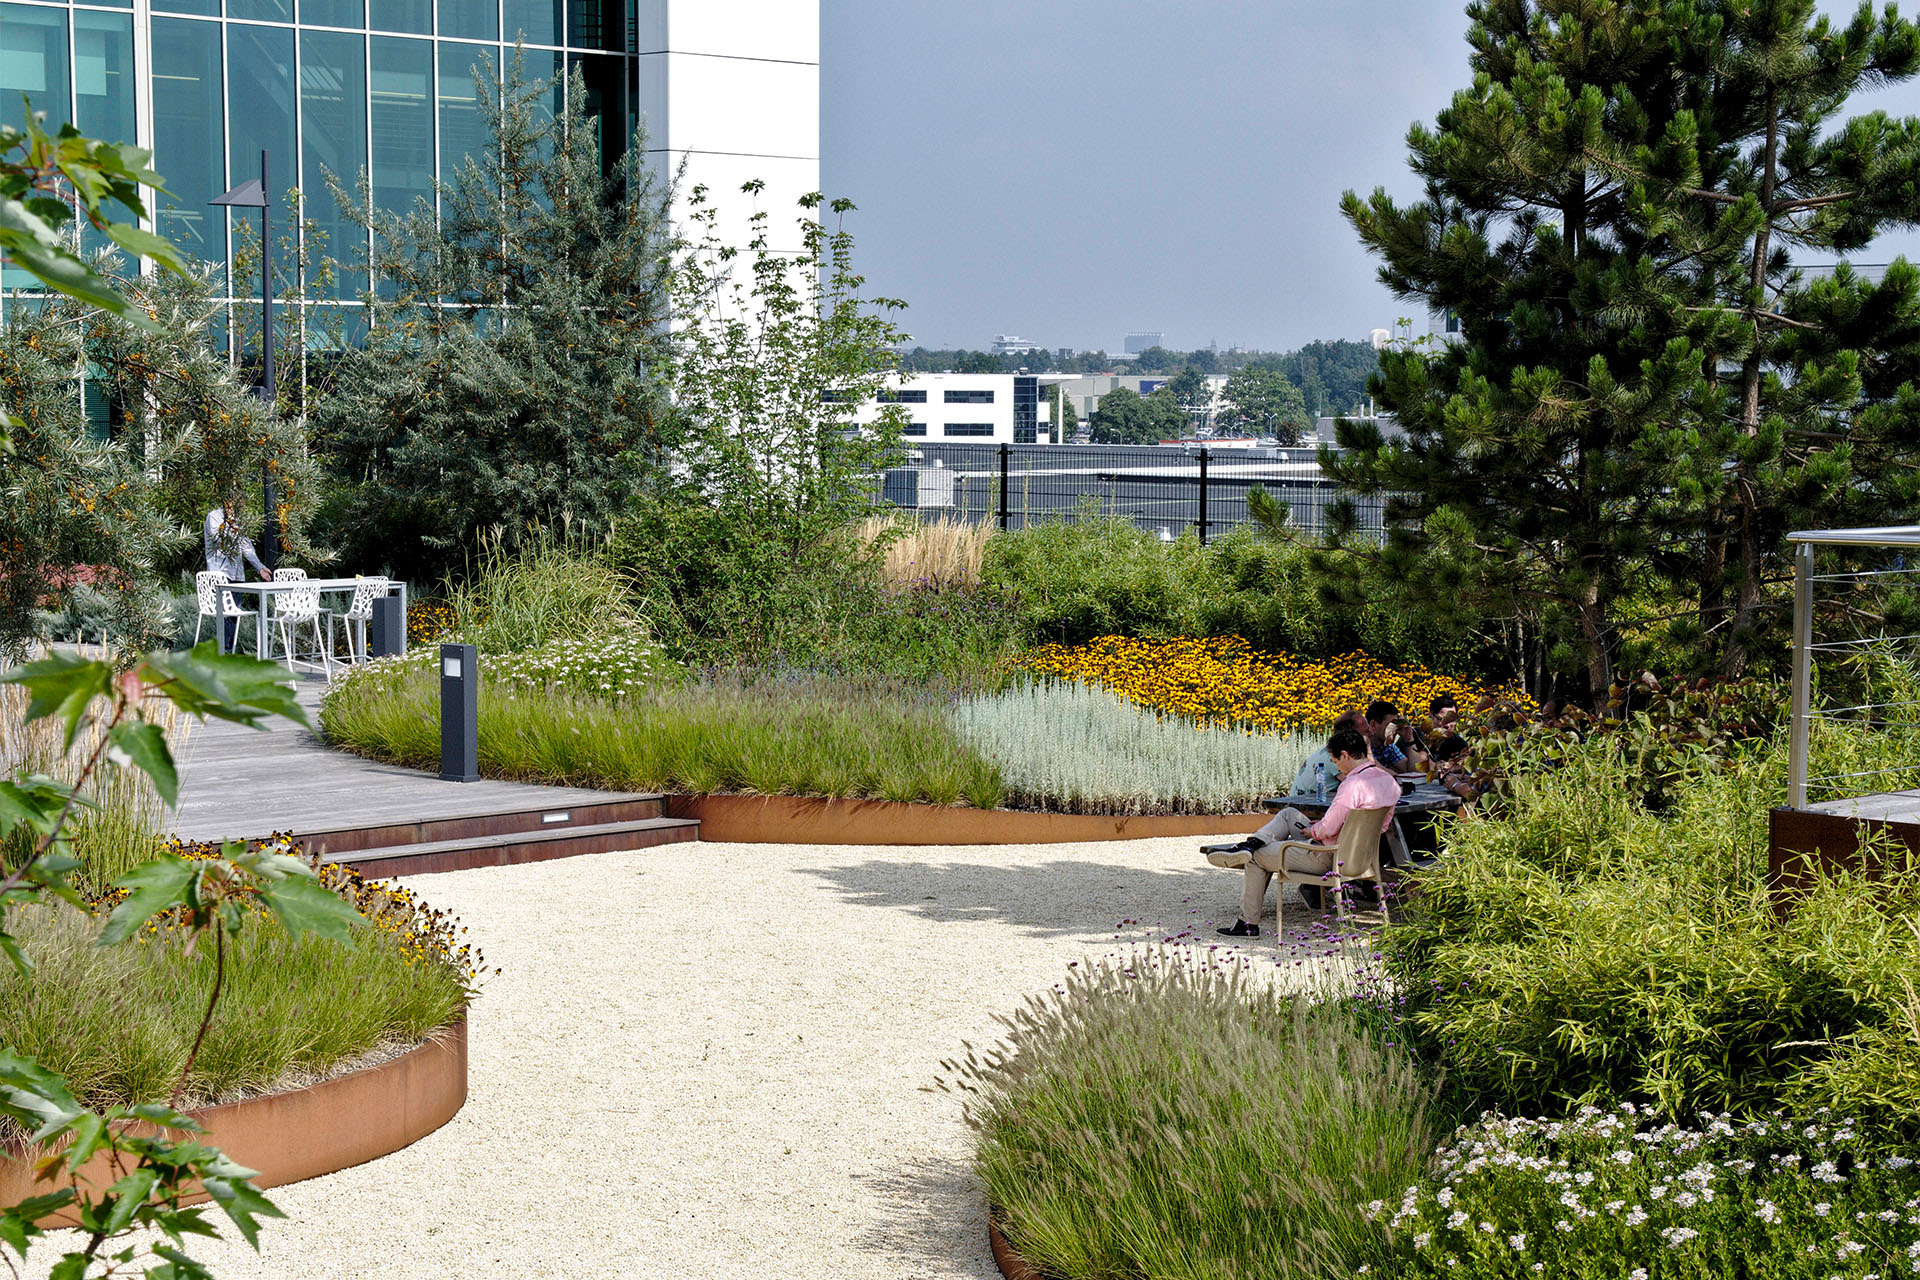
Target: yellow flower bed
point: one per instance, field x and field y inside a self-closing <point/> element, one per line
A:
<point x="1227" y="682"/>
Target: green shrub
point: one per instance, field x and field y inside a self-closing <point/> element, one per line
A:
<point x="1072" y="748"/>
<point x="796" y="735"/>
<point x="718" y="600"/>
<point x="1169" y="1118"/>
<point x="545" y="590"/>
<point x="118" y="1022"/>
<point x="1576" y="946"/>
<point x="1608" y="1195"/>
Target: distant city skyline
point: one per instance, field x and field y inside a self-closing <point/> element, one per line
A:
<point x="1075" y="171"/>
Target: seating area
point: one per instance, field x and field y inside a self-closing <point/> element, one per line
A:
<point x="292" y="610"/>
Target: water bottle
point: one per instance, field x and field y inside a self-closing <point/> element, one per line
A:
<point x="1320" y="782"/>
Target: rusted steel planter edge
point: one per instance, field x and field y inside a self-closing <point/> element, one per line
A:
<point x="813" y="820"/>
<point x="1011" y="1264"/>
<point x="319" y="1129"/>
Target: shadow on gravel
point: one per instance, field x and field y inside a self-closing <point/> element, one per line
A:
<point x="1049" y="899"/>
<point x="931" y="1222"/>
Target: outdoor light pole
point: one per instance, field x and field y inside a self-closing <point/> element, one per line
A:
<point x="252" y="194"/>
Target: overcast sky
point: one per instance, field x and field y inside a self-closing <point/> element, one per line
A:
<point x="1070" y="170"/>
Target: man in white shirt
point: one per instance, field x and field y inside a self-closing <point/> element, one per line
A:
<point x="227" y="551"/>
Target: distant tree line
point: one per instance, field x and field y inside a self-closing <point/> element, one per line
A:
<point x="1331" y="375"/>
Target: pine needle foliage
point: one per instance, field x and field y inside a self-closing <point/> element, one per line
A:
<point x="1645" y="386"/>
<point x="512" y="374"/>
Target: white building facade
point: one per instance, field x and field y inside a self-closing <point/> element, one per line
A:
<point x="730" y="89"/>
<point x="966" y="408"/>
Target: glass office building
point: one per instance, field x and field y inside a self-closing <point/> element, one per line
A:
<point x="321" y="85"/>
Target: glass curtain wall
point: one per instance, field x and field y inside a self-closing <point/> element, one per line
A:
<point x="326" y="86"/>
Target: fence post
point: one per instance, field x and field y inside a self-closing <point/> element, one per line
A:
<point x="1205" y="455"/>
<point x="1799" y="729"/>
<point x="1004" y="451"/>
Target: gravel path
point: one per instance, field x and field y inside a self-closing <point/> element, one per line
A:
<point x="712" y="1061"/>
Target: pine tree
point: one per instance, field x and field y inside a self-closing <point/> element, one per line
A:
<point x="513" y="376"/>
<point x="1523" y="483"/>
<point x="1811" y="418"/>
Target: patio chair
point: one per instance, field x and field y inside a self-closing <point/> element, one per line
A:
<point x="353" y="620"/>
<point x="214" y="602"/>
<point x="1356" y="857"/>
<point x="295" y="609"/>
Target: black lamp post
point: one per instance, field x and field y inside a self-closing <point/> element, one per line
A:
<point x="252" y="194"/>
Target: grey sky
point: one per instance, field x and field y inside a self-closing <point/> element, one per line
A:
<point x="1073" y="169"/>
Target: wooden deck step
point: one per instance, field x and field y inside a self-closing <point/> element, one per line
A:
<point x="332" y="843"/>
<point x="509" y="848"/>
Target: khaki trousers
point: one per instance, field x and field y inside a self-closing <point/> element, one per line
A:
<point x="1288" y="824"/>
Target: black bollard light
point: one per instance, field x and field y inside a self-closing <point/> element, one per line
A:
<point x="459" y="713"/>
<point x="387" y="629"/>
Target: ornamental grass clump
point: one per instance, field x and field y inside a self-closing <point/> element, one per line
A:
<point x="1070" y="748"/>
<point x="788" y="735"/>
<point x="1587" y="941"/>
<point x="1616" y="1195"/>
<point x="1171" y="1117"/>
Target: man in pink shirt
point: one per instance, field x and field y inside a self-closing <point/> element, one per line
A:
<point x="1364" y="784"/>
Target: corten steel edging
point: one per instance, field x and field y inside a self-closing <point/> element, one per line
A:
<point x="812" y="820"/>
<point x="512" y="822"/>
<point x="1799" y="841"/>
<point x="1011" y="1264"/>
<point x="304" y="1133"/>
<point x="382" y="863"/>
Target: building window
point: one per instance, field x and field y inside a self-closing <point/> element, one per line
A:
<point x="535" y="21"/>
<point x="192" y="145"/>
<point x="969" y="397"/>
<point x="968" y="428"/>
<point x="903" y="397"/>
<point x="1026" y="410"/>
<point x="915" y="429"/>
<point x="402" y="106"/>
<point x="333" y="97"/>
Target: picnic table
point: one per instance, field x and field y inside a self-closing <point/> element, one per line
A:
<point x="323" y="585"/>
<point x="1426" y="797"/>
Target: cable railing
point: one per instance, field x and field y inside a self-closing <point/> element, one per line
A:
<point x="1855" y="704"/>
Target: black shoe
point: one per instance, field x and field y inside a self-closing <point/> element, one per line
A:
<point x="1240" y="929"/>
<point x="1247" y="845"/>
<point x="1311" y="896"/>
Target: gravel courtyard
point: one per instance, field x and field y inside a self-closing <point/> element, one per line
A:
<point x="716" y="1061"/>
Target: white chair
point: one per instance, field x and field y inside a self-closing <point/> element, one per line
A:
<point x="295" y="609"/>
<point x="215" y="602"/>
<point x="353" y="620"/>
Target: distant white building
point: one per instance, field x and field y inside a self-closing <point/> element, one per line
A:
<point x="966" y="408"/>
<point x="1006" y="344"/>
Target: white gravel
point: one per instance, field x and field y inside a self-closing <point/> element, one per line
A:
<point x="713" y="1061"/>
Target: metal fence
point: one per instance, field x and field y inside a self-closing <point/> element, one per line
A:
<point x="1162" y="489"/>
<point x="1832" y="675"/>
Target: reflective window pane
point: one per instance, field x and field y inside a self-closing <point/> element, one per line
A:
<point x="535" y="21"/>
<point x="261" y="10"/>
<point x="402" y="87"/>
<point x="604" y="78"/>
<point x="103" y="85"/>
<point x="594" y="24"/>
<point x="333" y="13"/>
<point x="469" y="20"/>
<point x="207" y="8"/>
<point x="260" y="91"/>
<point x="190" y="146"/>
<point x="33" y="61"/>
<point x="401" y="15"/>
<point x="462" y="130"/>
<point x="103" y="74"/>
<point x="333" y="106"/>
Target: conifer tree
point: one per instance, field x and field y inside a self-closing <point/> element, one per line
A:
<point x="1644" y="384"/>
<point x="513" y="373"/>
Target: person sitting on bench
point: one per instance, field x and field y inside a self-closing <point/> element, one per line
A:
<point x="1364" y="784"/>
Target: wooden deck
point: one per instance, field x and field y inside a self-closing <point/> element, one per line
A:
<point x="238" y="783"/>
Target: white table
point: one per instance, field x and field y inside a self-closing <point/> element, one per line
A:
<point x="264" y="590"/>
